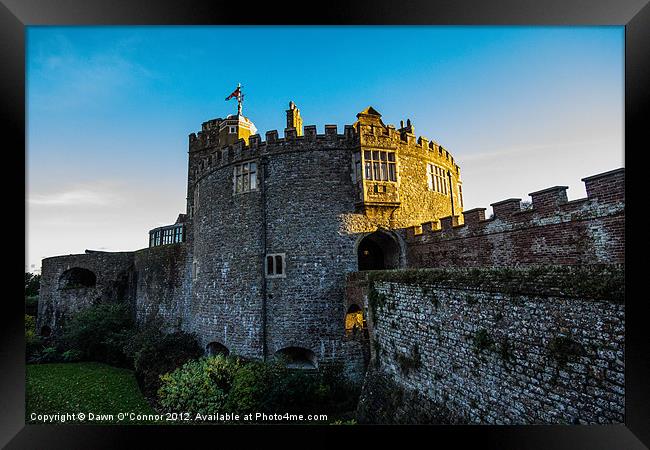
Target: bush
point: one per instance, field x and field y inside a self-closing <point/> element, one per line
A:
<point x="47" y="355"/>
<point x="98" y="333"/>
<point x="296" y="391"/>
<point x="221" y="383"/>
<point x="155" y="353"/>
<point x="252" y="385"/>
<point x="31" y="305"/>
<point x="71" y="356"/>
<point x="33" y="344"/>
<point x="200" y="386"/>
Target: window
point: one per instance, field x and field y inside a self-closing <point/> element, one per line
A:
<point x="232" y="130"/>
<point x="245" y="177"/>
<point x="172" y="234"/>
<point x="436" y="179"/>
<point x="195" y="269"/>
<point x="460" y="195"/>
<point x="275" y="265"/>
<point x="379" y="165"/>
<point x="196" y="198"/>
<point x="178" y="234"/>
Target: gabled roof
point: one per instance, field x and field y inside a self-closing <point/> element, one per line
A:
<point x="369" y="111"/>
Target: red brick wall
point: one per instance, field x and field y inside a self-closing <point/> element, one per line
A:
<point x="554" y="231"/>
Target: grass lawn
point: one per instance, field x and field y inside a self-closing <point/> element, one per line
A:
<point x="83" y="388"/>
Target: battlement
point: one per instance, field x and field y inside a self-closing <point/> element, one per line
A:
<point x="274" y="144"/>
<point x="605" y="189"/>
<point x="553" y="230"/>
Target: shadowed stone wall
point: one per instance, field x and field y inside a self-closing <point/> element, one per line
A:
<point x="496" y="346"/>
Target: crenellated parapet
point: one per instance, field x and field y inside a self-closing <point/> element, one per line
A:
<point x="274" y="144"/>
<point x="552" y="230"/>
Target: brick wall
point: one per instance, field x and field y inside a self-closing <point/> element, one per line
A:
<point x="554" y="231"/>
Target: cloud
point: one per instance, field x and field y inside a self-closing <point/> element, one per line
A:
<point x="76" y="197"/>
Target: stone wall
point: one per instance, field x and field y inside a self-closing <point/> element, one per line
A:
<point x="115" y="281"/>
<point x="553" y="231"/>
<point x="163" y="285"/>
<point x="494" y="346"/>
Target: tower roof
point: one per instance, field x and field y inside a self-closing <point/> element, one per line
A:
<point x="369" y="111"/>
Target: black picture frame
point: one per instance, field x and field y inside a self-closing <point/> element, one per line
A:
<point x="15" y="15"/>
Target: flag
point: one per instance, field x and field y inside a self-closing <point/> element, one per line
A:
<point x="235" y="93"/>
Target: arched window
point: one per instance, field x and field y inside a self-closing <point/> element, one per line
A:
<point x="77" y="278"/>
<point x="378" y="251"/>
<point x="354" y="321"/>
<point x="216" y="348"/>
<point x="298" y="357"/>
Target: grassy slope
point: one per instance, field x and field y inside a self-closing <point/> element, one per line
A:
<point x="83" y="387"/>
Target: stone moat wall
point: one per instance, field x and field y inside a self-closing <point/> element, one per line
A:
<point x="494" y="346"/>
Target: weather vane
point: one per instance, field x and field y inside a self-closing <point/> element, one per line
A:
<point x="240" y="98"/>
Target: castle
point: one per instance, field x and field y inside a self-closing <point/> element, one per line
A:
<point x="259" y="264"/>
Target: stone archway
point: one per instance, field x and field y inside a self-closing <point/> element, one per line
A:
<point x="298" y="357"/>
<point x="378" y="251"/>
<point x="76" y="278"/>
<point x="217" y="348"/>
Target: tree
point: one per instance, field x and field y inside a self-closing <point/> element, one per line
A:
<point x="32" y="284"/>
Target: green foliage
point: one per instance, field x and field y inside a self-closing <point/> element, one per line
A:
<point x="344" y="422"/>
<point x="251" y="386"/>
<point x="228" y="383"/>
<point x="49" y="354"/>
<point x="31" y="305"/>
<point x="33" y="343"/>
<point x="82" y="387"/>
<point x="155" y="353"/>
<point x="590" y="282"/>
<point x="98" y="332"/>
<point x="200" y="386"/>
<point x="483" y="341"/>
<point x="32" y="284"/>
<point x="376" y="300"/>
<point x="71" y="355"/>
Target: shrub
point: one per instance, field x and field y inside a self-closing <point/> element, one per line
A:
<point x="295" y="391"/>
<point x="33" y="343"/>
<point x="200" y="386"/>
<point x="48" y="355"/>
<point x="98" y="332"/>
<point x="251" y="386"/>
<point x="31" y="305"/>
<point x="155" y="353"/>
<point x="220" y="383"/>
<point x="71" y="356"/>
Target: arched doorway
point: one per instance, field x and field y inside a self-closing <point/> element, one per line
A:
<point x="298" y="357"/>
<point x="378" y="251"/>
<point x="216" y="348"/>
<point x="76" y="278"/>
<point x="354" y="320"/>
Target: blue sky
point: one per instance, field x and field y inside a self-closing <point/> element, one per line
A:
<point x="110" y="110"/>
